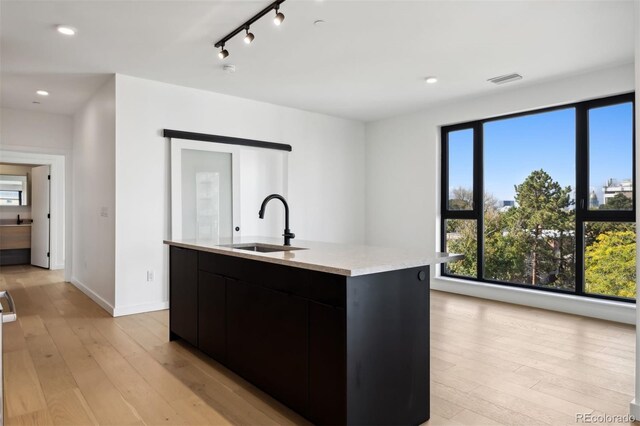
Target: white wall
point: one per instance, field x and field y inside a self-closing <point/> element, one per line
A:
<point x="44" y="138"/>
<point x="94" y="197"/>
<point x="262" y="172"/>
<point x="403" y="169"/>
<point x="325" y="174"/>
<point x="31" y="131"/>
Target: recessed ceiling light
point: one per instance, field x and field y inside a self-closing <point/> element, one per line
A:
<point x="42" y="93"/>
<point x="66" y="30"/>
<point x="35" y="102"/>
<point x="431" y="80"/>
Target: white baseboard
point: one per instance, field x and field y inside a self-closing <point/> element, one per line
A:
<point x="57" y="266"/>
<point x="141" y="308"/>
<point x="92" y="295"/>
<point x="119" y="311"/>
<point x="634" y="410"/>
<point x="577" y="305"/>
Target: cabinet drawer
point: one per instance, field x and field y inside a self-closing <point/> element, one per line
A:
<point x="15" y="237"/>
<point x="321" y="287"/>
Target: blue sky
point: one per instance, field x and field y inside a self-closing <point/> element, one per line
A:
<point x="514" y="147"/>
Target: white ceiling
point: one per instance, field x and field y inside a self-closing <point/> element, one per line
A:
<point x="367" y="62"/>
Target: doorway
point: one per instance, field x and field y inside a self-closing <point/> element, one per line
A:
<point x="25" y="215"/>
<point x="42" y="211"/>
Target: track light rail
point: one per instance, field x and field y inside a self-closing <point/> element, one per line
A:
<point x="247" y="24"/>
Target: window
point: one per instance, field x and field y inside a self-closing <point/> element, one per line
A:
<point x="461" y="166"/>
<point x="10" y="198"/>
<point x="544" y="199"/>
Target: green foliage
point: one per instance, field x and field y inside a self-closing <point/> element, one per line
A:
<point x="618" y="202"/>
<point x="610" y="264"/>
<point x="534" y="243"/>
<point x="462" y="234"/>
<point x="462" y="239"/>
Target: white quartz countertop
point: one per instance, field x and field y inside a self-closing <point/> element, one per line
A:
<point x="14" y="224"/>
<point x="340" y="259"/>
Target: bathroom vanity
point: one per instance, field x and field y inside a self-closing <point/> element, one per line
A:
<point x="15" y="243"/>
<point x="338" y="333"/>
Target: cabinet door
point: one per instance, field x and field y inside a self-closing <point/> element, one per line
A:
<point x="212" y="322"/>
<point x="267" y="341"/>
<point x="183" y="294"/>
<point x="327" y="365"/>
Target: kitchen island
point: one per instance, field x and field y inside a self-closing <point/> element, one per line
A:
<point x="338" y="333"/>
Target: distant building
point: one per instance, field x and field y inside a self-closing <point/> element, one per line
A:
<point x="613" y="188"/>
<point x="506" y="205"/>
<point x="594" y="203"/>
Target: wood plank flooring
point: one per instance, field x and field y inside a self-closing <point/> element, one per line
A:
<point x="67" y="362"/>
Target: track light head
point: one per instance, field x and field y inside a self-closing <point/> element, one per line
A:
<point x="279" y="17"/>
<point x="248" y="38"/>
<point x="223" y="53"/>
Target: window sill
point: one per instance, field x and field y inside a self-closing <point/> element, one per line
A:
<point x="589" y="307"/>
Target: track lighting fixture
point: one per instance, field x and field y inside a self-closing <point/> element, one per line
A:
<point x="279" y="17"/>
<point x="223" y="53"/>
<point x="249" y="37"/>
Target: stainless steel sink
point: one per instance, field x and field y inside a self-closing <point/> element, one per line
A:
<point x="263" y="248"/>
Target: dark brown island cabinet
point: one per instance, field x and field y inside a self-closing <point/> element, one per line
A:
<point x="337" y="349"/>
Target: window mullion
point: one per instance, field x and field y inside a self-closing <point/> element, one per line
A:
<point x="478" y="192"/>
<point x="582" y="191"/>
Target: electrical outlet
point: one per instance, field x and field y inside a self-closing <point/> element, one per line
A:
<point x="150" y="276"/>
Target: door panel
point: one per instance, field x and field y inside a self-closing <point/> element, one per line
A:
<point x="204" y="191"/>
<point x="40" y="214"/>
<point x="212" y="315"/>
<point x="267" y="341"/>
<point x="327" y="364"/>
<point x="183" y="295"/>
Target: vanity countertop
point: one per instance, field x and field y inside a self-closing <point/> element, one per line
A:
<point x="341" y="259"/>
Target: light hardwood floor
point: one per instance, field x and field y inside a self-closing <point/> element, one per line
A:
<point x="67" y="362"/>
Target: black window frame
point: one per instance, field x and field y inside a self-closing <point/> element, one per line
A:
<point x="583" y="213"/>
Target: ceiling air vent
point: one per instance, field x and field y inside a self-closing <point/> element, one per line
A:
<point x="508" y="78"/>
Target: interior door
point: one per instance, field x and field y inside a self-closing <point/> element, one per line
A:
<point x="40" y="215"/>
<point x="205" y="191"/>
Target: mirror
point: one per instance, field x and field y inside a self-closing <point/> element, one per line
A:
<point x="13" y="190"/>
